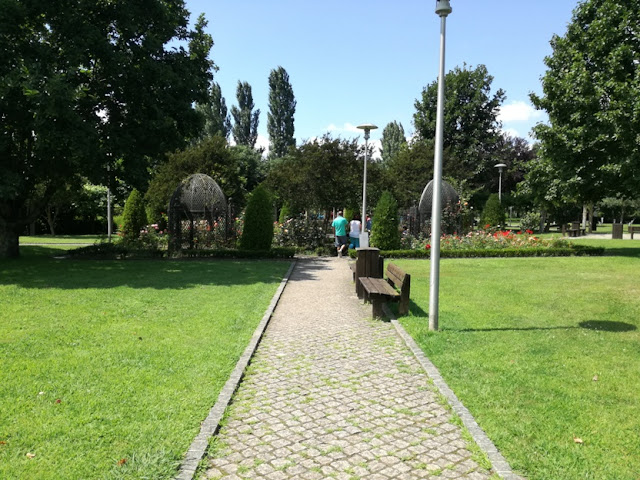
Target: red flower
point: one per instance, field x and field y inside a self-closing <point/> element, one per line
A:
<point x="519" y="232"/>
<point x="427" y="246"/>
<point x="530" y="232"/>
<point x="486" y="227"/>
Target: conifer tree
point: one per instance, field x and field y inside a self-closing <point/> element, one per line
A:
<point x="282" y="107"/>
<point x="245" y="120"/>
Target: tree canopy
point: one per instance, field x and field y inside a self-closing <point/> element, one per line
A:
<point x="591" y="92"/>
<point x="84" y="85"/>
<point x="216" y="117"/>
<point x="282" y="108"/>
<point x="393" y="140"/>
<point x="245" y="120"/>
<point x="471" y="126"/>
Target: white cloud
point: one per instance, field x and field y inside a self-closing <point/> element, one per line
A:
<point x="512" y="132"/>
<point x="347" y="127"/>
<point x="519" y="112"/>
<point x="263" y="141"/>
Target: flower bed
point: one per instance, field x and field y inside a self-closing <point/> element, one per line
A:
<point x="485" y="243"/>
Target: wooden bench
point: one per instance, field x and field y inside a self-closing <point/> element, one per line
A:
<point x="381" y="290"/>
<point x="634" y="229"/>
<point x="576" y="232"/>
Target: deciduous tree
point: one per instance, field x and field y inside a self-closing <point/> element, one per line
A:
<point x="282" y="108"/>
<point x="393" y="140"/>
<point x="216" y="118"/>
<point x="87" y="84"/>
<point x="245" y="120"/>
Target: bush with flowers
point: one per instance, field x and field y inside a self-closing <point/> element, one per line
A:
<point x="492" y="239"/>
<point x="301" y="231"/>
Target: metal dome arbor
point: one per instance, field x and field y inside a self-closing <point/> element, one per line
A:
<point x="449" y="197"/>
<point x="198" y="214"/>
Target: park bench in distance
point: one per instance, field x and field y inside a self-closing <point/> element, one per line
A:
<point x="634" y="229"/>
<point x="381" y="290"/>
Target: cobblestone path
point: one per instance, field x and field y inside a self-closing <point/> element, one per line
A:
<point x="331" y="393"/>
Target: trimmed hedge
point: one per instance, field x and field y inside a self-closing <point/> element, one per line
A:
<point x="575" y="250"/>
<point x="120" y="251"/>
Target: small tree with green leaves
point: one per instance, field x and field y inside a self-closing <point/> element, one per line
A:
<point x="385" y="234"/>
<point x="258" y="221"/>
<point x="134" y="217"/>
<point x="493" y="214"/>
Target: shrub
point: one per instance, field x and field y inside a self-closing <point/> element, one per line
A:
<point x="258" y="221"/>
<point x="302" y="231"/>
<point x="493" y="214"/>
<point x="134" y="217"/>
<point x="285" y="213"/>
<point x="385" y="234"/>
<point x="530" y="221"/>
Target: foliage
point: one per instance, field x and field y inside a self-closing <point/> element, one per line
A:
<point x="393" y="140"/>
<point x="87" y="85"/>
<point x="493" y="213"/>
<point x="471" y="126"/>
<point x="245" y="120"/>
<point x="408" y="172"/>
<point x="216" y="118"/>
<point x="530" y="221"/>
<point x="590" y="92"/>
<point x="285" y="213"/>
<point x="301" y="231"/>
<point x="257" y="233"/>
<point x="385" y="233"/>
<point x="282" y="107"/>
<point x="237" y="170"/>
<point x="321" y="174"/>
<point x="134" y="218"/>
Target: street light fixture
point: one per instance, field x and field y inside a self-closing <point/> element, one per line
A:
<point x="500" y="166"/>
<point x="364" y="235"/>
<point x="443" y="8"/>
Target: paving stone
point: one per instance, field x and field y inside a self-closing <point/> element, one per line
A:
<point x="331" y="392"/>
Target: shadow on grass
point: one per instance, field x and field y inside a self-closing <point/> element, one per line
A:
<point x="598" y="325"/>
<point x="608" y="326"/>
<point x="38" y="269"/>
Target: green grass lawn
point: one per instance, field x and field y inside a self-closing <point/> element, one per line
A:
<point x="47" y="239"/>
<point x="108" y="368"/>
<point x="543" y="351"/>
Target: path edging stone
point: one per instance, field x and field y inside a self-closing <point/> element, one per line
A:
<point x="499" y="463"/>
<point x="208" y="428"/>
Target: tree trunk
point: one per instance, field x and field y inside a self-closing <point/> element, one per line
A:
<point x="543" y="220"/>
<point x="9" y="245"/>
<point x="590" y="211"/>
<point x="584" y="216"/>
<point x="51" y="220"/>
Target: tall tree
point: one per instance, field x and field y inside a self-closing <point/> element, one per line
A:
<point x="591" y="92"/>
<point x="409" y="171"/>
<point x="282" y="107"/>
<point x="86" y="85"/>
<point x="393" y="140"/>
<point x="216" y="117"/>
<point x="471" y="126"/>
<point x="245" y="120"/>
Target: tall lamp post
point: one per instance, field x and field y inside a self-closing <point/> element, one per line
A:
<point x="500" y="166"/>
<point x="443" y="8"/>
<point x="364" y="235"/>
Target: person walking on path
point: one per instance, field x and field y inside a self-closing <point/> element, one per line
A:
<point x="331" y="393"/>
<point x="340" y="225"/>
<point x="354" y="232"/>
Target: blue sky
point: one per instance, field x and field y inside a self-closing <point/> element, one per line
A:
<point x="354" y="61"/>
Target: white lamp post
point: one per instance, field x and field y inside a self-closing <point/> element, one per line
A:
<point x="443" y="8"/>
<point x="500" y="166"/>
<point x="364" y="235"/>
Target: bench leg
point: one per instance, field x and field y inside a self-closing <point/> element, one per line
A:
<point x="377" y="303"/>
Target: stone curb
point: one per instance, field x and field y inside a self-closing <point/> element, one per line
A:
<point x="208" y="428"/>
<point x="500" y="465"/>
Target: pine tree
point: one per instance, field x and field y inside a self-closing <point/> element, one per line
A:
<point x="282" y="107"/>
<point x="245" y="120"/>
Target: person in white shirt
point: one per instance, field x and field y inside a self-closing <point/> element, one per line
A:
<point x="354" y="231"/>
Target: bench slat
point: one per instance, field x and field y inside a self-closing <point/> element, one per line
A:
<point x="378" y="286"/>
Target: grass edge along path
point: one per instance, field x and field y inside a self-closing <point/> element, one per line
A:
<point x="109" y="367"/>
<point x="545" y="353"/>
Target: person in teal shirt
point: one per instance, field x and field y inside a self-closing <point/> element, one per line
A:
<point x="340" y="226"/>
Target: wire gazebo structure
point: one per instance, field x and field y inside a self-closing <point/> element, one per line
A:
<point x="450" y="205"/>
<point x="199" y="215"/>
